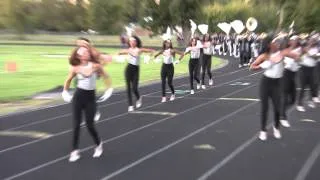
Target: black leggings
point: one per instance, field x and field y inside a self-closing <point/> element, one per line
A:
<point x="84" y="100"/>
<point x="193" y="71"/>
<point x="206" y="66"/>
<point x="307" y="78"/>
<point x="288" y="92"/>
<point x="132" y="79"/>
<point x="270" y="88"/>
<point x="244" y="58"/>
<point x="167" y="71"/>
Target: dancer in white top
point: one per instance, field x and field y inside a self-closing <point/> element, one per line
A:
<point x="206" y="60"/>
<point x="308" y="72"/>
<point x="86" y="68"/>
<point x="272" y="61"/>
<point x="167" y="69"/>
<point x="132" y="70"/>
<point x="194" y="50"/>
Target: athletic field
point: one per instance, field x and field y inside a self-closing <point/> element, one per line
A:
<point x="29" y="69"/>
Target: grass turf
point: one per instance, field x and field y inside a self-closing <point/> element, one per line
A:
<point x="40" y="68"/>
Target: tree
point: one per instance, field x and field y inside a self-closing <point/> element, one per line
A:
<point x="172" y="13"/>
<point x="4" y="13"/>
<point x="107" y="17"/>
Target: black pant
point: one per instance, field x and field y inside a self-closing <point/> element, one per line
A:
<point x="270" y="88"/>
<point x="307" y="78"/>
<point x="193" y="71"/>
<point x="206" y="66"/>
<point x="167" y="71"/>
<point x="84" y="100"/>
<point x="288" y="88"/>
<point x="132" y="80"/>
<point x="244" y="57"/>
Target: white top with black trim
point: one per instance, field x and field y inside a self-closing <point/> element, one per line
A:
<point x="208" y="48"/>
<point x="167" y="56"/>
<point x="307" y="60"/>
<point x="275" y="71"/>
<point x="87" y="82"/>
<point x="134" y="56"/>
<point x="292" y="64"/>
<point x="194" y="52"/>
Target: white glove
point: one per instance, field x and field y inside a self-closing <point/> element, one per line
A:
<point x="66" y="96"/>
<point x="107" y="94"/>
<point x="265" y="65"/>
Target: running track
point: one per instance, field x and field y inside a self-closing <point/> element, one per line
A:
<point x="154" y="146"/>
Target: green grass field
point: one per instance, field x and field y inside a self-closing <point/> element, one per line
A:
<point x="41" y="68"/>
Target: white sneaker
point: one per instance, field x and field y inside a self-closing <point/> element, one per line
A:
<point x="74" y="156"/>
<point x="276" y="133"/>
<point x="130" y="109"/>
<point x="203" y="86"/>
<point x="192" y="91"/>
<point x="164" y="99"/>
<point x="98" y="151"/>
<point x="311" y="104"/>
<point x="240" y="66"/>
<point x="97" y="116"/>
<point x="139" y="102"/>
<point x="301" y="109"/>
<point x="172" y="97"/>
<point x="316" y="99"/>
<point x="263" y="135"/>
<point x="285" y="123"/>
<point x="198" y="86"/>
<point x="210" y="82"/>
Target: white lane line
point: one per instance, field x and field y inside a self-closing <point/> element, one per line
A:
<point x="155" y="113"/>
<point x="240" y="99"/>
<point x="122" y="135"/>
<point x="29" y="134"/>
<point x="139" y="161"/>
<point x="309" y="163"/>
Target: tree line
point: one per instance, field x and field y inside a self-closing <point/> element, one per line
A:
<point x="109" y="16"/>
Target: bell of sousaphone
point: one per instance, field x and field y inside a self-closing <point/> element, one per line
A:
<point x="251" y="24"/>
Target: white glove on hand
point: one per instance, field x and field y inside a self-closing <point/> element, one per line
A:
<point x="265" y="64"/>
<point x="107" y="94"/>
<point x="66" y="96"/>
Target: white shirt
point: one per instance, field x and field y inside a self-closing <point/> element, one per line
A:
<point x="134" y="56"/>
<point x="307" y="60"/>
<point x="167" y="56"/>
<point x="292" y="64"/>
<point x="194" y="52"/>
<point x="208" y="49"/>
<point x="275" y="70"/>
<point x="87" y="82"/>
